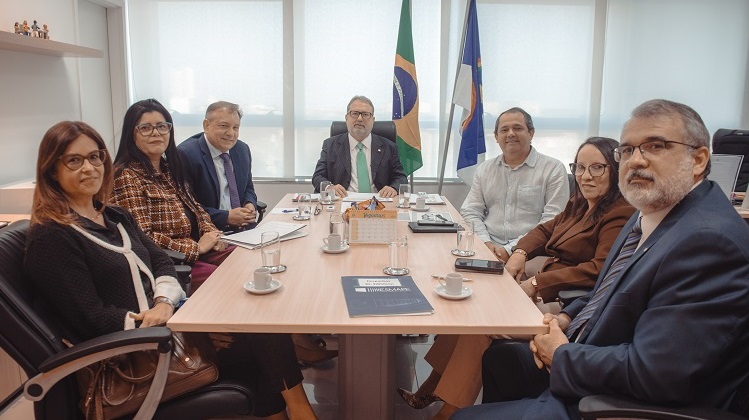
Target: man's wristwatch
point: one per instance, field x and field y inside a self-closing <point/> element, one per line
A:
<point x="162" y="299"/>
<point x="534" y="283"/>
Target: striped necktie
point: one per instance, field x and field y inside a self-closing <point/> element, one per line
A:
<point x="362" y="174"/>
<point x="231" y="180"/>
<point x="630" y="245"/>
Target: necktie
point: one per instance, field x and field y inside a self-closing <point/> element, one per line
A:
<point x="229" y="171"/>
<point x="362" y="174"/>
<point x="630" y="245"/>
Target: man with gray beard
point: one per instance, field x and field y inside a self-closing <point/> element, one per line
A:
<point x="668" y="320"/>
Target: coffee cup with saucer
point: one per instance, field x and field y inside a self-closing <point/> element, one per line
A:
<point x="452" y="288"/>
<point x="263" y="283"/>
<point x="334" y="244"/>
<point x="420" y="204"/>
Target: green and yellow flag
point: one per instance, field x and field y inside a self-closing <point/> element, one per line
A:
<point x="406" y="96"/>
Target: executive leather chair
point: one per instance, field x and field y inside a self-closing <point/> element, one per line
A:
<point x="734" y="142"/>
<point x="381" y="128"/>
<point x="606" y="406"/>
<point x="31" y="337"/>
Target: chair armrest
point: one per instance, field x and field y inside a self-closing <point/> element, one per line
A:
<point x="261" y="207"/>
<point x="183" y="274"/>
<point x="176" y="256"/>
<point x="83" y="354"/>
<point x="606" y="406"/>
<point x="565" y="297"/>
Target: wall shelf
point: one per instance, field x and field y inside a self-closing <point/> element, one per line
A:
<point x="14" y="42"/>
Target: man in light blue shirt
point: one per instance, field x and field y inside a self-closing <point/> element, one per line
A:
<point x="517" y="190"/>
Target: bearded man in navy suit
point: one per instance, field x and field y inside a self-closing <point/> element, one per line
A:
<point x="359" y="161"/>
<point x="668" y="320"/>
<point x="215" y="156"/>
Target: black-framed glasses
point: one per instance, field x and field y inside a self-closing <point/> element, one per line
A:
<point x="147" y="129"/>
<point x="595" y="169"/>
<point x="652" y="148"/>
<point x="355" y="115"/>
<point x="74" y="162"/>
<point x="318" y="208"/>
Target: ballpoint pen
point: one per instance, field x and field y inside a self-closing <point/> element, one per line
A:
<point x="289" y="211"/>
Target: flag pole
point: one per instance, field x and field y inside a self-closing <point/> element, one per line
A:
<point x="452" y="103"/>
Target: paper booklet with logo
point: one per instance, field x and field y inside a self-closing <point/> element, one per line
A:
<point x="383" y="296"/>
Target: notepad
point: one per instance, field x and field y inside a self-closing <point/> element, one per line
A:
<point x="251" y="238"/>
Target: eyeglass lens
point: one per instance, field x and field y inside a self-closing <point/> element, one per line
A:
<point x="595" y="169"/>
<point x="75" y="162"/>
<point x="147" y="129"/>
<point x="356" y="114"/>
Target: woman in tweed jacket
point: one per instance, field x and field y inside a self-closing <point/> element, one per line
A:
<point x="150" y="183"/>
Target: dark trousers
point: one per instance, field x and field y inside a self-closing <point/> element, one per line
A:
<point x="267" y="362"/>
<point x="509" y="372"/>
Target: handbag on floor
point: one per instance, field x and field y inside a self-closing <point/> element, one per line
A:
<point x="118" y="386"/>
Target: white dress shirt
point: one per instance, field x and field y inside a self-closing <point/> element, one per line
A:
<point x="223" y="184"/>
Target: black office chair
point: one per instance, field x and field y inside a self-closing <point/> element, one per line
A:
<point x="30" y="336"/>
<point x="381" y="128"/>
<point x="734" y="142"/>
<point x="606" y="406"/>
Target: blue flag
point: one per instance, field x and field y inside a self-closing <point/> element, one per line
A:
<point x="469" y="96"/>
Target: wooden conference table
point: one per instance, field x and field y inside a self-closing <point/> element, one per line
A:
<point x="311" y="301"/>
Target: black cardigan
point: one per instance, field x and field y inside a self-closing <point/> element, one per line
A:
<point x="89" y="287"/>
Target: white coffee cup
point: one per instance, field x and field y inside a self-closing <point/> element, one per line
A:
<point x="333" y="242"/>
<point x="453" y="284"/>
<point x="421" y="202"/>
<point x="262" y="278"/>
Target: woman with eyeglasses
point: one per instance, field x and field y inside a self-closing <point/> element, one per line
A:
<point x="99" y="273"/>
<point x="150" y="182"/>
<point x="576" y="242"/>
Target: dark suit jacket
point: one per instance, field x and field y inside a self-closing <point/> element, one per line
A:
<point x="335" y="163"/>
<point x="577" y="247"/>
<point x="674" y="328"/>
<point x="201" y="173"/>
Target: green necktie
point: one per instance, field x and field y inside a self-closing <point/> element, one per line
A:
<point x="362" y="174"/>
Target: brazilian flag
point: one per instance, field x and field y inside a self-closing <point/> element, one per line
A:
<point x="406" y="96"/>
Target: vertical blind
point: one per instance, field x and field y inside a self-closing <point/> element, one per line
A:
<point x="293" y="65"/>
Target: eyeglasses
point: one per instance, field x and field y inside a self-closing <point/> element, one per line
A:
<point x="355" y="115"/>
<point x="652" y="148"/>
<point x="75" y="162"/>
<point x="147" y="129"/>
<point x="595" y="169"/>
<point x="318" y="208"/>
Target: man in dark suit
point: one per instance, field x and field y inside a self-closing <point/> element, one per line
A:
<point x="219" y="168"/>
<point x="359" y="161"/>
<point x="668" y="320"/>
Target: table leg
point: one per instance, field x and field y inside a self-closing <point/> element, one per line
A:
<point x="366" y="376"/>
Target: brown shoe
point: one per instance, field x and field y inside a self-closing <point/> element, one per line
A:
<point x="418" y="401"/>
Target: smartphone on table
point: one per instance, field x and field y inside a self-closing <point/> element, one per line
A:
<point x="480" y="266"/>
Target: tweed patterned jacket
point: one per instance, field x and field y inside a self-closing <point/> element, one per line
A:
<point x="158" y="208"/>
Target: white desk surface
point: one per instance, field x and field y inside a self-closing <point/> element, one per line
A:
<point x="311" y="299"/>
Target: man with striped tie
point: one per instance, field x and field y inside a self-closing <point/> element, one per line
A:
<point x="668" y="320"/>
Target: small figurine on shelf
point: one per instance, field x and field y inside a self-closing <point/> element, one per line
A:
<point x="35" y="30"/>
<point x="26" y="29"/>
<point x="17" y="28"/>
<point x="45" y="31"/>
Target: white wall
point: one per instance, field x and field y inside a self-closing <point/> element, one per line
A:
<point x="38" y="91"/>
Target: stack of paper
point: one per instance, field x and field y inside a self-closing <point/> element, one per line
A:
<point x="251" y="238"/>
<point x="431" y="199"/>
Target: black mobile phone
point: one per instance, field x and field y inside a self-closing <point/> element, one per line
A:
<point x="481" y="266"/>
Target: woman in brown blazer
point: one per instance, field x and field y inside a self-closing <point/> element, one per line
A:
<point x="577" y="242"/>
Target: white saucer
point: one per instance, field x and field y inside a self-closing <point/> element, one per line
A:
<point x="341" y="250"/>
<point x="424" y="209"/>
<point x="440" y="290"/>
<point x="274" y="285"/>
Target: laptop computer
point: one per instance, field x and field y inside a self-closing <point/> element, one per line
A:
<point x="724" y="170"/>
